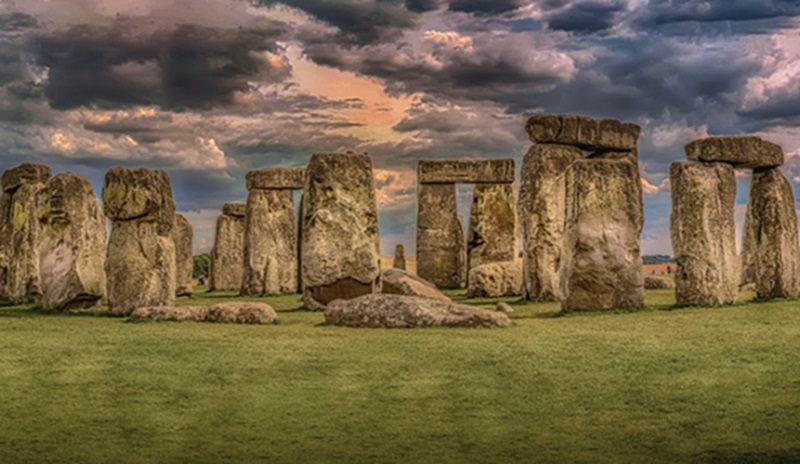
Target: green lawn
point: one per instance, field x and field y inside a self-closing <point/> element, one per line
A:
<point x="661" y="385"/>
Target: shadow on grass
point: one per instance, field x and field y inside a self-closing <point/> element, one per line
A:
<point x="748" y="457"/>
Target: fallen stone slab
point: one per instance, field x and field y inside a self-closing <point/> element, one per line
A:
<point x="232" y="312"/>
<point x="582" y="131"/>
<point x="746" y="152"/>
<point x="276" y="178"/>
<point x="465" y="171"/>
<point x="494" y="280"/>
<point x="397" y="311"/>
<point x="398" y="282"/>
<point x="658" y="283"/>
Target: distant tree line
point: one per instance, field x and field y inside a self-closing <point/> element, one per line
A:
<point x="657" y="259"/>
<point x="202" y="265"/>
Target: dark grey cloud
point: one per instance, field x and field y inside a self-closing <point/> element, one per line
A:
<point x="672" y="11"/>
<point x="422" y="6"/>
<point x="486" y="7"/>
<point x="587" y="16"/>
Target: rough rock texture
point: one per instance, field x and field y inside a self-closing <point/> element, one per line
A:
<point x="140" y="259"/>
<point x="270" y="243"/>
<point x="703" y="233"/>
<point x="465" y="171"/>
<point x="182" y="236"/>
<point x="340" y="238"/>
<point x="73" y="244"/>
<point x="602" y="265"/>
<point x="397" y="311"/>
<point x="276" y="178"/>
<point x="541" y="214"/>
<point x="495" y="280"/>
<point x="771" y="236"/>
<point x="504" y="307"/>
<point x="492" y="236"/>
<point x="741" y="152"/>
<point x="237" y="313"/>
<point x="399" y="258"/>
<point x="20" y="232"/>
<point x="227" y="255"/>
<point x="441" y="246"/>
<point x="583" y="132"/>
<point x="397" y="282"/>
<point x="657" y="282"/>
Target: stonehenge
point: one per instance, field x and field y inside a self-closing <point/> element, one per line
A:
<point x="271" y="234"/>
<point x="227" y="255"/>
<point x="494" y="280"/>
<point x="340" y="242"/>
<point x="182" y="235"/>
<point x="441" y="245"/>
<point x="492" y="226"/>
<point x="399" y="257"/>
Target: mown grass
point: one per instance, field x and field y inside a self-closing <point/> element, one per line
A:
<point x="686" y="385"/>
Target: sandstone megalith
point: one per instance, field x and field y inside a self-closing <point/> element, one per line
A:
<point x="182" y="236"/>
<point x="340" y="235"/>
<point x="583" y="132"/>
<point x="397" y="282"/>
<point x="227" y="255"/>
<point x="73" y="244"/>
<point x="745" y="152"/>
<point x="492" y="236"/>
<point x="494" y="280"/>
<point x="703" y="233"/>
<point x="602" y="264"/>
<point x="466" y="171"/>
<point x="441" y="246"/>
<point x="20" y="231"/>
<point x="399" y="257"/>
<point x="140" y="259"/>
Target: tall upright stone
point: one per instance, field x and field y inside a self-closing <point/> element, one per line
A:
<point x="542" y="202"/>
<point x="73" y="244"/>
<point x="340" y="237"/>
<point x="399" y="257"/>
<point x="703" y="232"/>
<point x="270" y="242"/>
<point x="492" y="236"/>
<point x="227" y="255"/>
<point x="140" y="259"/>
<point x="770" y="247"/>
<point x="441" y="244"/>
<point x="602" y="264"/>
<point x="182" y="236"/>
<point x="20" y="232"/>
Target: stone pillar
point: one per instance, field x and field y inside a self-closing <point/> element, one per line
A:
<point x="227" y="256"/>
<point x="770" y="247"/>
<point x="399" y="257"/>
<point x="440" y="236"/>
<point x="73" y="245"/>
<point x="492" y="236"/>
<point x="21" y="231"/>
<point x="140" y="260"/>
<point x="182" y="236"/>
<point x="602" y="264"/>
<point x="541" y="211"/>
<point x="270" y="241"/>
<point x="341" y="241"/>
<point x="703" y="233"/>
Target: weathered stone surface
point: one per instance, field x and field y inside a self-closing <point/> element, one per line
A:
<point x="583" y="132"/>
<point x="657" y="282"/>
<point x="398" y="311"/>
<point x="602" y="265"/>
<point x="25" y="173"/>
<point x="504" y="307"/>
<point x="770" y="237"/>
<point x="276" y="178"/>
<point x="141" y="194"/>
<point x="340" y="237"/>
<point x="227" y="255"/>
<point x="73" y="244"/>
<point x="741" y="152"/>
<point x="441" y="247"/>
<point x="703" y="233"/>
<point x="234" y="312"/>
<point x="397" y="282"/>
<point x="541" y="212"/>
<point x="494" y="280"/>
<point x="183" y="235"/>
<point x="270" y="243"/>
<point x="399" y="257"/>
<point x="465" y="171"/>
<point x="492" y="236"/>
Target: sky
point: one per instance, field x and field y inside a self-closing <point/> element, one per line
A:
<point x="210" y="89"/>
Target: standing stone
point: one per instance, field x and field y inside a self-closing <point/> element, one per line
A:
<point x="21" y="231"/>
<point x="703" y="233"/>
<point x="602" y="265"/>
<point x="492" y="226"/>
<point x="182" y="236"/>
<point x="399" y="257"/>
<point x="770" y="237"/>
<point x="227" y="256"/>
<point x="341" y="244"/>
<point x="270" y="243"/>
<point x="140" y="260"/>
<point x="541" y="211"/>
<point x="73" y="242"/>
<point x="440" y="236"/>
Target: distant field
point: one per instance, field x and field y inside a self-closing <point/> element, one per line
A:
<point x="661" y="385"/>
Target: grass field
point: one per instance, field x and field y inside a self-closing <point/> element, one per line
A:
<point x="660" y="385"/>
